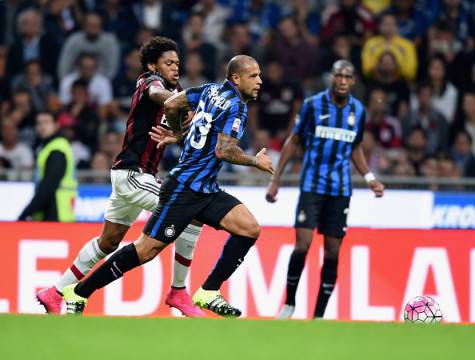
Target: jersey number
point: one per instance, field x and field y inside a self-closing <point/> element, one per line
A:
<point x="201" y="126"/>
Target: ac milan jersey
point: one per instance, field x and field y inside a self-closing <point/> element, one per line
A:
<point x="139" y="151"/>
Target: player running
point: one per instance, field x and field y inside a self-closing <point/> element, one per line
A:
<point x="330" y="127"/>
<point x="134" y="186"/>
<point x="191" y="191"/>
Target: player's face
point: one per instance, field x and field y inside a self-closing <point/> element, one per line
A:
<point x="249" y="81"/>
<point x="342" y="82"/>
<point x="168" y="66"/>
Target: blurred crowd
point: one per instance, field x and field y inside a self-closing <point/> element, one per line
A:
<point x="78" y="59"/>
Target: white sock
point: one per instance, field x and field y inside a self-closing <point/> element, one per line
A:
<point x="89" y="256"/>
<point x="184" y="248"/>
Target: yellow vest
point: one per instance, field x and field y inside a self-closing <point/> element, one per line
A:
<point x="66" y="192"/>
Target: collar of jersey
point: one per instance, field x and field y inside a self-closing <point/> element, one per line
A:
<point x="330" y="100"/>
<point x="230" y="85"/>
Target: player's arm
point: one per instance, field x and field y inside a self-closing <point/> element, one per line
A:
<point x="291" y="146"/>
<point x="158" y="94"/>
<point x="227" y="149"/>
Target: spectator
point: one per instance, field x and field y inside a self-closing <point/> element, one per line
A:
<point x="99" y="86"/>
<point x="194" y="40"/>
<point x="238" y="41"/>
<point x="23" y="115"/>
<point x="92" y="40"/>
<point x="101" y="164"/>
<point x="442" y="40"/>
<point x="307" y="18"/>
<point x="277" y="105"/>
<point x="425" y="116"/>
<point x="469" y="116"/>
<point x="376" y="6"/>
<point x="447" y="167"/>
<point x="19" y="155"/>
<point x="61" y="19"/>
<point x="386" y="129"/>
<point x="411" y="21"/>
<point x="416" y="147"/>
<point x="444" y="93"/>
<point x="215" y="16"/>
<point x="39" y="86"/>
<point x="111" y="143"/>
<point x="32" y="44"/>
<point x="193" y="71"/>
<point x="462" y="154"/>
<point x="351" y="19"/>
<point x="385" y="76"/>
<point x="390" y="41"/>
<point x="375" y="156"/>
<point x="298" y="58"/>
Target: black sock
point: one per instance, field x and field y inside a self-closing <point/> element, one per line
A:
<point x="327" y="284"/>
<point x="114" y="268"/>
<point x="296" y="265"/>
<point x="231" y="257"/>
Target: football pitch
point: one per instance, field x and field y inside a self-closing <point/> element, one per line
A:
<point x="84" y="338"/>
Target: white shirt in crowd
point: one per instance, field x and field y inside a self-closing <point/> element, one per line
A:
<point x="100" y="89"/>
<point x="20" y="157"/>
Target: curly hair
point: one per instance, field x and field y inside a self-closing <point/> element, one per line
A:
<point x="151" y="51"/>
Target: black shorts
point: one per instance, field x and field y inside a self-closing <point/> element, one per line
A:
<point x="179" y="205"/>
<point x="326" y="213"/>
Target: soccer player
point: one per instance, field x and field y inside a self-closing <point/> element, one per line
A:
<point x="191" y="191"/>
<point x="330" y="128"/>
<point x="134" y="186"/>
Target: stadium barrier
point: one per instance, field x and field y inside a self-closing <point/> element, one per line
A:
<point x="379" y="270"/>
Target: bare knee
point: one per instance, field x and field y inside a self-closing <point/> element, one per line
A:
<point x="109" y="243"/>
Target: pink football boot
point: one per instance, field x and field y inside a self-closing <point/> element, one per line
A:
<point x="51" y="300"/>
<point x="181" y="300"/>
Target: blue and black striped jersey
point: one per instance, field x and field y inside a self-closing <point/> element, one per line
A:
<point x="329" y="134"/>
<point x="218" y="109"/>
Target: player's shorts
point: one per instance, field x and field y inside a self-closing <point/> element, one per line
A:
<point x="179" y="205"/>
<point x="326" y="213"/>
<point x="132" y="192"/>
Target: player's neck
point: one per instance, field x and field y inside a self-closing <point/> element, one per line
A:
<point x="340" y="101"/>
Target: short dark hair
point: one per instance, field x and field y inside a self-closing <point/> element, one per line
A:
<point x="80" y="83"/>
<point x="48" y="113"/>
<point x="151" y="51"/>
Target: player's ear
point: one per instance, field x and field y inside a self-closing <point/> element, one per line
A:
<point x="236" y="78"/>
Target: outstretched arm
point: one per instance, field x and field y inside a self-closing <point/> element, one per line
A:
<point x="290" y="148"/>
<point x="227" y="149"/>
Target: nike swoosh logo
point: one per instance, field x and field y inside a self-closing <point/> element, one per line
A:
<point x="323" y="117"/>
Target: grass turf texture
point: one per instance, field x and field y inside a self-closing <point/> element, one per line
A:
<point x="84" y="338"/>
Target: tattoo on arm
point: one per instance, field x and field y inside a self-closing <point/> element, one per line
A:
<point x="228" y="150"/>
<point x="159" y="94"/>
<point x="174" y="106"/>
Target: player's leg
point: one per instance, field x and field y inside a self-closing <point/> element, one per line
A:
<point x="227" y="213"/>
<point x="334" y="229"/>
<point x="306" y="217"/>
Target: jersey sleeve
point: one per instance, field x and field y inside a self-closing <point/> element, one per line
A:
<point x="152" y="82"/>
<point x="235" y="119"/>
<point x="361" y="128"/>
<point x="193" y="95"/>
<point x="303" y="121"/>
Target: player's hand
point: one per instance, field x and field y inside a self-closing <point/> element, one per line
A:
<point x="272" y="190"/>
<point x="264" y="162"/>
<point x="377" y="188"/>
<point x="163" y="136"/>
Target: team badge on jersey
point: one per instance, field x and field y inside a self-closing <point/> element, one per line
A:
<point x="351" y="119"/>
<point x="236" y="124"/>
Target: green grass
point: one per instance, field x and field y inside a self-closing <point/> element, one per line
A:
<point x="70" y="338"/>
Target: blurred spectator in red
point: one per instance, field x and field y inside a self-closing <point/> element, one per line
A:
<point x="279" y="101"/>
<point x="349" y="18"/>
<point x="425" y="116"/>
<point x="444" y="93"/>
<point x="389" y="40"/>
<point x="32" y="44"/>
<point x="385" y="76"/>
<point x="298" y="58"/>
<point x="19" y="155"/>
<point x="99" y="87"/>
<point x="462" y="153"/>
<point x="39" y="86"/>
<point x="81" y="116"/>
<point x="61" y="18"/>
<point x="193" y="71"/>
<point x="469" y="116"/>
<point x="215" y="16"/>
<point x="411" y="21"/>
<point x="119" y="19"/>
<point x="194" y="40"/>
<point x="416" y="146"/>
<point x="386" y="129"/>
<point x="93" y="40"/>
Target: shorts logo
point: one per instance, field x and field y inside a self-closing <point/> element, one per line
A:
<point x="345" y="211"/>
<point x="170" y="231"/>
<point x="301" y="217"/>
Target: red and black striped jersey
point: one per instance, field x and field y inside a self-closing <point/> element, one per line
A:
<point x="139" y="151"/>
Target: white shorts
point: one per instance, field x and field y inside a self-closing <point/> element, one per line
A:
<point x="132" y="192"/>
